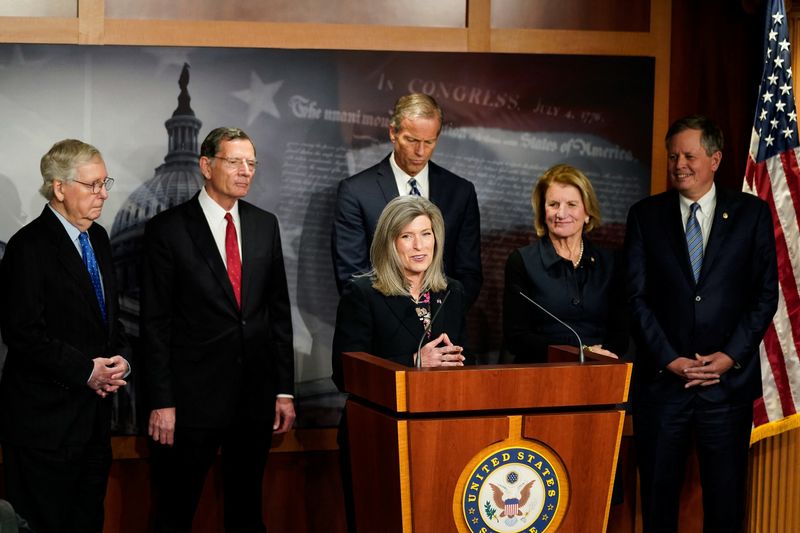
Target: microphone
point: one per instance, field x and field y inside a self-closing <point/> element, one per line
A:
<point x="582" y="359"/>
<point x="418" y="363"/>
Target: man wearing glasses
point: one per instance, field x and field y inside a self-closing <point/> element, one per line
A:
<point x="217" y="332"/>
<point x="66" y="348"/>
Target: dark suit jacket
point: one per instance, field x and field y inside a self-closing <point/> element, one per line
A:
<point x="361" y="199"/>
<point x="728" y="310"/>
<point x="204" y="356"/>
<point x="388" y="326"/>
<point x="52" y="325"/>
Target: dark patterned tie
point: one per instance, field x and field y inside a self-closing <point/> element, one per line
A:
<point x="414" y="190"/>
<point x="94" y="272"/>
<point x="233" y="260"/>
<point x="694" y="241"/>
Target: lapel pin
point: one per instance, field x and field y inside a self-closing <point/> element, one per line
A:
<point x="725" y="215"/>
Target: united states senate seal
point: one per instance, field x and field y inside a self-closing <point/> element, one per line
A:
<point x="514" y="489"/>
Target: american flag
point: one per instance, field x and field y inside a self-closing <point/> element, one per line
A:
<point x="773" y="174"/>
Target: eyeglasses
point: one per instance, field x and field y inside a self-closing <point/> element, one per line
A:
<point x="97" y="186"/>
<point x="237" y="162"/>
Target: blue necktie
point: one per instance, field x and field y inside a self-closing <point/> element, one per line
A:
<point x="414" y="190"/>
<point x="94" y="272"/>
<point x="694" y="241"/>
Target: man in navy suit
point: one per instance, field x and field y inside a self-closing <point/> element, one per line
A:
<point x="217" y="331"/>
<point x="703" y="287"/>
<point x="66" y="349"/>
<point x="414" y="129"/>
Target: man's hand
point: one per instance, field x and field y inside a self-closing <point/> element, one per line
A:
<point x="709" y="370"/>
<point x="107" y="375"/>
<point x="284" y="415"/>
<point x="162" y="425"/>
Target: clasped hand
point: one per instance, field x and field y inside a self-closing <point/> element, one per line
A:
<point x="446" y="355"/>
<point x="107" y="375"/>
<point x="703" y="370"/>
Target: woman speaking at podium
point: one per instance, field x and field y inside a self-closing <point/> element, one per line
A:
<point x="405" y="309"/>
<point x="565" y="273"/>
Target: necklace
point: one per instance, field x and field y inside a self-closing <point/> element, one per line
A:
<point x="577" y="262"/>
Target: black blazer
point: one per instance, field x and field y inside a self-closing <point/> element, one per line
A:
<point x="728" y="310"/>
<point x="203" y="355"/>
<point x="591" y="299"/>
<point x="361" y="199"/>
<point x="388" y="326"/>
<point x="52" y="325"/>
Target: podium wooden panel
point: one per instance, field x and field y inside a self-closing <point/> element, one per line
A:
<point x="413" y="432"/>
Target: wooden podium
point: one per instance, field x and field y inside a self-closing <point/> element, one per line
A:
<point x="424" y="442"/>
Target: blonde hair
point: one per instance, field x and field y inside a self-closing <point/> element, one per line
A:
<point x="567" y="175"/>
<point x="387" y="274"/>
<point x="62" y="160"/>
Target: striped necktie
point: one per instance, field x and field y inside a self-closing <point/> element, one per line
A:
<point x="414" y="189"/>
<point x="94" y="272"/>
<point x="694" y="241"/>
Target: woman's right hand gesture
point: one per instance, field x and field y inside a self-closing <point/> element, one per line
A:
<point x="446" y="355"/>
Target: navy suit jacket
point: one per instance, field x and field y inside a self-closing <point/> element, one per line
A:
<point x="52" y="325"/>
<point x="361" y="199"/>
<point x="203" y="355"/>
<point x="728" y="310"/>
<point x="388" y="326"/>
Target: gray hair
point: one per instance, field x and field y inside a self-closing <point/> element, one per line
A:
<point x="415" y="105"/>
<point x="217" y="136"/>
<point x="62" y="160"/>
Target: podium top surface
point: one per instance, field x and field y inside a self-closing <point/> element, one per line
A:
<point x="485" y="387"/>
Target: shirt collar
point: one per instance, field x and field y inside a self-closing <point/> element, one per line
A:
<point x="72" y="231"/>
<point x="707" y="202"/>
<point x="213" y="211"/>
<point x="402" y="176"/>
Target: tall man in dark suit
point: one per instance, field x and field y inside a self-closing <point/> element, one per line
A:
<point x="66" y="349"/>
<point x="414" y="130"/>
<point x="217" y="331"/>
<point x="703" y="286"/>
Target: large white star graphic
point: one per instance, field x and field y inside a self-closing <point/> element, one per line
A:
<point x="260" y="98"/>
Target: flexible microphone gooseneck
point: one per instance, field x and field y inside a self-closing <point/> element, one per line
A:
<point x="418" y="362"/>
<point x="582" y="359"/>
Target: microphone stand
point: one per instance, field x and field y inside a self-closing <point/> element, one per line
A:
<point x="581" y="357"/>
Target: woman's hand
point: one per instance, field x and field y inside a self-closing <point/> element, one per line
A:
<point x="596" y="348"/>
<point x="447" y="355"/>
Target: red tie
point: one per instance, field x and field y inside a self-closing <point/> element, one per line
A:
<point x="233" y="260"/>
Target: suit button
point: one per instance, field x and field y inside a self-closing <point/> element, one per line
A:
<point x="697" y="298"/>
<point x="244" y="322"/>
<point x="576" y="301"/>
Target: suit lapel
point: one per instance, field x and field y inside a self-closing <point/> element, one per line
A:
<point x="437" y="188"/>
<point x="386" y="182"/>
<point x="104" y="262"/>
<point x="720" y="229"/>
<point x="70" y="259"/>
<point x="200" y="233"/>
<point x="406" y="315"/>
<point x="249" y="239"/>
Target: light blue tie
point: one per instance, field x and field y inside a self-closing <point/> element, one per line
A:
<point x="414" y="190"/>
<point x="694" y="241"/>
<point x="94" y="272"/>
